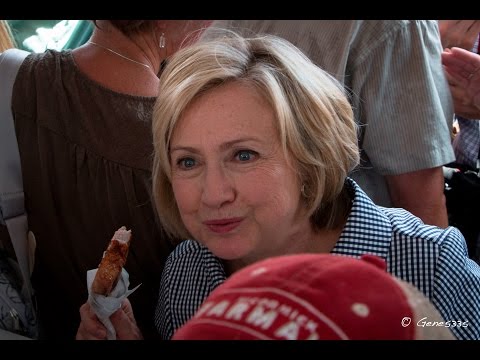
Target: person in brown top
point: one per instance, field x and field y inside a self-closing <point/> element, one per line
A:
<point x="83" y="123"/>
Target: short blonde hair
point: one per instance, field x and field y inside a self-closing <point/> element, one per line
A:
<point x="315" y="119"/>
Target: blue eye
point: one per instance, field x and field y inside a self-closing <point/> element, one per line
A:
<point x="245" y="155"/>
<point x="186" y="163"/>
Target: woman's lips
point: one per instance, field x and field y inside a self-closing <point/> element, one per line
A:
<point x="222" y="226"/>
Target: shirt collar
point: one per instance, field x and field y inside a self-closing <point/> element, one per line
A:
<point x="367" y="229"/>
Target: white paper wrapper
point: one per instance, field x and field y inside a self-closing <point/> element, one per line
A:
<point x="105" y="306"/>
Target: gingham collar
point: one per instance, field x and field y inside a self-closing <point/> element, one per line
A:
<point x="367" y="230"/>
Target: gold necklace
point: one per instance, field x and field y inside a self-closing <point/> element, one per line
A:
<point x="122" y="56"/>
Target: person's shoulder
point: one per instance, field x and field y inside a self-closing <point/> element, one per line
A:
<point x="392" y="26"/>
<point x="195" y="257"/>
<point x="37" y="71"/>
<point x="190" y="249"/>
<point x="376" y="37"/>
<point x="186" y="247"/>
<point x="406" y="224"/>
<point x="41" y="67"/>
<point x="47" y="58"/>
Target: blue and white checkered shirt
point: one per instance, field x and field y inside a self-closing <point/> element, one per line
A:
<point x="435" y="260"/>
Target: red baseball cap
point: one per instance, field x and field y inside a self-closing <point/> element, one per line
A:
<point x="306" y="296"/>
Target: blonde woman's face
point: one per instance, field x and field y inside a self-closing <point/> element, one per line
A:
<point x="234" y="189"/>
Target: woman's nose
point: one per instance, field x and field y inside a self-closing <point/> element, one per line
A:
<point x="218" y="188"/>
